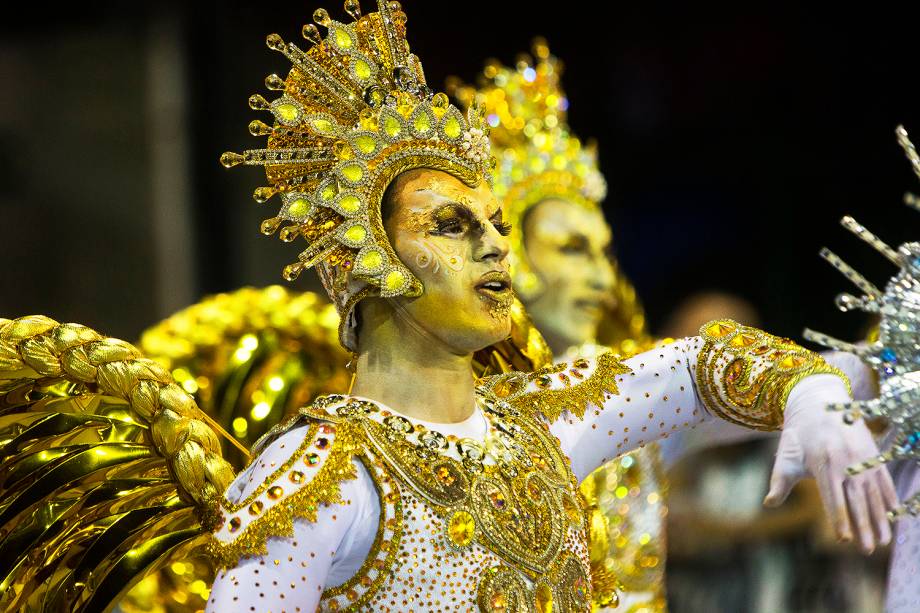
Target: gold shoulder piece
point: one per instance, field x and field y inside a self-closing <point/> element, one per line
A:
<point x="744" y="375"/>
<point x="563" y="387"/>
<point x="310" y="476"/>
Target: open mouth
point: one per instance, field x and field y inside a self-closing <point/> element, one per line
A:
<point x="591" y="306"/>
<point x="496" y="285"/>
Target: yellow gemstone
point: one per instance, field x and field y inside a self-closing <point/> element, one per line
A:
<point x="498" y="602"/>
<point x="323" y="125"/>
<point x="362" y="70"/>
<point x="353" y="172"/>
<point x="366" y="144"/>
<point x="287" y="112"/>
<point x="720" y="329"/>
<point x="371" y="260"/>
<point x="743" y="340"/>
<point x="299" y="207"/>
<point x="395" y="280"/>
<point x="544" y="598"/>
<point x="422" y="123"/>
<point x="275" y="492"/>
<point x="255" y="508"/>
<point x="543" y="381"/>
<point x="296" y="476"/>
<point x="391" y="126"/>
<point x="350" y="203"/>
<point x="440" y="101"/>
<point x="791" y="361"/>
<point x="342" y="38"/>
<point x="452" y="127"/>
<point x="461" y="528"/>
<point x="443" y="475"/>
<point x="356" y="234"/>
<point x="235" y="524"/>
<point x="327" y="193"/>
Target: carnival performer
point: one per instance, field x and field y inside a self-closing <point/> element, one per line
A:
<point x="565" y="274"/>
<point x="424" y="489"/>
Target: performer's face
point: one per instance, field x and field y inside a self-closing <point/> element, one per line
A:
<point x="451" y="237"/>
<point x="567" y="247"/>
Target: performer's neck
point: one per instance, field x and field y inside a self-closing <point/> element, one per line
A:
<point x="404" y="367"/>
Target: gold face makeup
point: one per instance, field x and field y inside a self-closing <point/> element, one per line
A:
<point x="451" y="237"/>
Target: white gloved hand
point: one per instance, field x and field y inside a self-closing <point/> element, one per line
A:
<point x="816" y="442"/>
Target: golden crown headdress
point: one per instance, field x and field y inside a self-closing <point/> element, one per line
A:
<point x="538" y="157"/>
<point x="354" y="112"/>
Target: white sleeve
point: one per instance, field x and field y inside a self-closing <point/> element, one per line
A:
<point x="656" y="397"/>
<point x="600" y="409"/>
<point x="294" y="569"/>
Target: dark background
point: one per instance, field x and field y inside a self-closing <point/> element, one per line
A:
<point x="732" y="141"/>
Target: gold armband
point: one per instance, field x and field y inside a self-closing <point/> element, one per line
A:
<point x="744" y="375"/>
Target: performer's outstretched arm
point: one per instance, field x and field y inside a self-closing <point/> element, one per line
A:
<point x="603" y="408"/>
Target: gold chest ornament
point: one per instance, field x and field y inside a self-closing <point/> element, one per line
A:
<point x="497" y="524"/>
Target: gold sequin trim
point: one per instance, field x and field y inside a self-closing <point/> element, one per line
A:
<point x="295" y="457"/>
<point x="323" y="488"/>
<point x="551" y="401"/>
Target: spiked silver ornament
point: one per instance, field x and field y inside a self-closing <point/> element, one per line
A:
<point x="896" y="354"/>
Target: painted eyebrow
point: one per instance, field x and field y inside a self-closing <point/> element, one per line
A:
<point x="460" y="209"/>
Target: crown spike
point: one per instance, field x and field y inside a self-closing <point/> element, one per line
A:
<point x="848" y="302"/>
<point x="353" y="8"/>
<point x="850" y="273"/>
<point x="311" y="33"/>
<point x="829" y="341"/>
<point x="390" y="12"/>
<point x="872" y="240"/>
<point x="258" y="103"/>
<point x="229" y="159"/>
<point x="260" y="128"/>
<point x="909" y="149"/>
<point x="274" y="83"/>
<point x="275" y="43"/>
<point x="321" y="16"/>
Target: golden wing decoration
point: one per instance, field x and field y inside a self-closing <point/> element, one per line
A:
<point x="252" y="357"/>
<point x="107" y="468"/>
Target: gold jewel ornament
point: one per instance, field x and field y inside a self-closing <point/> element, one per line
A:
<point x="352" y="114"/>
<point x="537" y="156"/>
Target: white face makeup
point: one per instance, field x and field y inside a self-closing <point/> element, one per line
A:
<point x="451" y="237"/>
<point x="567" y="247"/>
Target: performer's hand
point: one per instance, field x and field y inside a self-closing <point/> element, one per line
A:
<point x="816" y="442"/>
